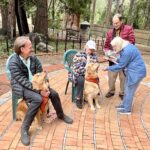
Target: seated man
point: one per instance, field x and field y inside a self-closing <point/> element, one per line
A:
<point x="23" y="65"/>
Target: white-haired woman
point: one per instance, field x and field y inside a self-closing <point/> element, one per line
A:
<point x="80" y="60"/>
<point x="131" y="62"/>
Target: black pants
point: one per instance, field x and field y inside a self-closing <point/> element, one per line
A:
<point x="79" y="87"/>
<point x="54" y="97"/>
<point x="35" y="101"/>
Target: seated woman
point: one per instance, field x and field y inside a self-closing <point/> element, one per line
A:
<point x="80" y="60"/>
<point x="133" y="66"/>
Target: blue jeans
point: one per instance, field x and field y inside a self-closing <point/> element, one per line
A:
<point x="129" y="95"/>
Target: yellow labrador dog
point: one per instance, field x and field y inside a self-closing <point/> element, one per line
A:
<point x="91" y="86"/>
<point x="39" y="82"/>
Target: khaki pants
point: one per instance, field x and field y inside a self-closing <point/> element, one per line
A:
<point x="112" y="76"/>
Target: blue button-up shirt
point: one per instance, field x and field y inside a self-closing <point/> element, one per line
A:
<point x="131" y="61"/>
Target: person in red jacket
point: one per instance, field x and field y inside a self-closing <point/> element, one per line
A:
<point x="125" y="32"/>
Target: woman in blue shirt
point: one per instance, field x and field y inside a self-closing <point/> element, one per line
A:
<point x="131" y="62"/>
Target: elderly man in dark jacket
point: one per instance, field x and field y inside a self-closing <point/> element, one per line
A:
<point x="23" y="65"/>
<point x="125" y="32"/>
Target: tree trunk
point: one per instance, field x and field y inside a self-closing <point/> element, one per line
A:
<point x="21" y="17"/>
<point x="117" y="6"/>
<point x="93" y="11"/>
<point x="147" y="16"/>
<point x="120" y="10"/>
<point x="108" y="13"/>
<point x="11" y="24"/>
<point x="4" y="12"/>
<point x="41" y="19"/>
<point x="130" y="13"/>
<point x="72" y="21"/>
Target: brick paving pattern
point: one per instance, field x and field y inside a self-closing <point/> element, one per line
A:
<point x="103" y="129"/>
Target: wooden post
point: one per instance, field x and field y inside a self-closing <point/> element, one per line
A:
<point x="57" y="43"/>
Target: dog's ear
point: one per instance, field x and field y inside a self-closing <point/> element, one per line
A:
<point x="35" y="77"/>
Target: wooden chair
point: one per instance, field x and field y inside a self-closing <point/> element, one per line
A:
<point x="68" y="62"/>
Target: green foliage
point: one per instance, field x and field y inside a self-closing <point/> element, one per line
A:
<point x="139" y="11"/>
<point x="3" y="3"/>
<point x="54" y="24"/>
<point x="76" y="6"/>
<point x="102" y="16"/>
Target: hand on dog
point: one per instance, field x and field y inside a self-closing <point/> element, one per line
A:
<point x="45" y="93"/>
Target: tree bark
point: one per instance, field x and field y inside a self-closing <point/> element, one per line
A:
<point x="41" y="19"/>
<point x="21" y="17"/>
<point x="117" y="6"/>
<point x="11" y="23"/>
<point x="4" y="12"/>
<point x="147" y="16"/>
<point x="93" y="11"/>
<point x="130" y="13"/>
<point x="71" y="21"/>
<point x="108" y="13"/>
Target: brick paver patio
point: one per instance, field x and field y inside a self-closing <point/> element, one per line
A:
<point x="103" y="129"/>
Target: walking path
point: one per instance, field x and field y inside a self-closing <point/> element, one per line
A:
<point x="103" y="129"/>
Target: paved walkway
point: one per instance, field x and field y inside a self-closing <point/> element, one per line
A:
<point x="103" y="129"/>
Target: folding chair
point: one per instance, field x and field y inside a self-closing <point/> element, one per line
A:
<point x="68" y="62"/>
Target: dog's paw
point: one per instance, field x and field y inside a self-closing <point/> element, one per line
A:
<point x="98" y="106"/>
<point x="92" y="108"/>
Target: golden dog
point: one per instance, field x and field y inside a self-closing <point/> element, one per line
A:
<point x="39" y="82"/>
<point x="91" y="85"/>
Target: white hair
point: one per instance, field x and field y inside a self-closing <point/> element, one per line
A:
<point x="119" y="16"/>
<point x="119" y="43"/>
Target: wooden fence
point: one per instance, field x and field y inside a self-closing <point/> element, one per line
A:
<point x="142" y="37"/>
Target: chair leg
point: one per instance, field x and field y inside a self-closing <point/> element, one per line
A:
<point x="66" y="87"/>
<point x="14" y="105"/>
<point x="73" y="92"/>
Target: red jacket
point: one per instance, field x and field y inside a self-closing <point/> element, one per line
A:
<point x="126" y="33"/>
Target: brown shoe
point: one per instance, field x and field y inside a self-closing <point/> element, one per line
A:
<point x="109" y="95"/>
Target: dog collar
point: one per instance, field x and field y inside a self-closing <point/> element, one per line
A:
<point x="94" y="80"/>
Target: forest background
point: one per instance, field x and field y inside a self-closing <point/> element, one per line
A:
<point x="63" y="14"/>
